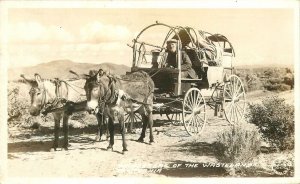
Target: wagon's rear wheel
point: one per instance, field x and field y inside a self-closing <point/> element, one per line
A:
<point x="234" y="99"/>
<point x="132" y="119"/>
<point x="194" y="111"/>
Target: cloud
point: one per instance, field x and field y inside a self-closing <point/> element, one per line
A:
<point x="34" y="32"/>
<point x="97" y="32"/>
<point x="32" y="42"/>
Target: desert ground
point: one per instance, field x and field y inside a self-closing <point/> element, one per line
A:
<point x="174" y="153"/>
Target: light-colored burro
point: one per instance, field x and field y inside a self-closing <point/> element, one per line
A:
<point x="57" y="97"/>
<point x="116" y="96"/>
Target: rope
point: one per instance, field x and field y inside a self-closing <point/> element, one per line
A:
<point x="75" y="89"/>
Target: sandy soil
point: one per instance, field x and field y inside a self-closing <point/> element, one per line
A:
<point x="173" y="154"/>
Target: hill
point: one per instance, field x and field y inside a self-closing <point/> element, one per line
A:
<point x="60" y="69"/>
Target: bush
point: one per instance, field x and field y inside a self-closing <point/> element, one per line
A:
<point x="239" y="144"/>
<point x="275" y="119"/>
<point x="17" y="109"/>
<point x="277" y="87"/>
<point x="274" y="81"/>
<point x="289" y="80"/>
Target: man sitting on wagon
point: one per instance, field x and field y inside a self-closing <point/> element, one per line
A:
<point x="186" y="65"/>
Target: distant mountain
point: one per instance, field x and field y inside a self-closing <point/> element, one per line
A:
<point x="60" y="69"/>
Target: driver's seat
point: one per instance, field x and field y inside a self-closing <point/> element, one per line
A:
<point x="197" y="65"/>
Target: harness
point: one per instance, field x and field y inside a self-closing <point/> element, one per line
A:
<point x="115" y="97"/>
<point x="105" y="99"/>
<point x="57" y="102"/>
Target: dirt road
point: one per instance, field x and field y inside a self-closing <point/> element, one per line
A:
<point x="29" y="155"/>
<point x="174" y="153"/>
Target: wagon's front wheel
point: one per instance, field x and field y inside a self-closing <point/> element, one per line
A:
<point x="194" y="111"/>
<point x="234" y="99"/>
<point x="132" y="119"/>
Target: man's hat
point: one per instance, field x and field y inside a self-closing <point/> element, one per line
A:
<point x="172" y="41"/>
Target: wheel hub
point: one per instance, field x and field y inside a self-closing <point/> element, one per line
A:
<point x="196" y="111"/>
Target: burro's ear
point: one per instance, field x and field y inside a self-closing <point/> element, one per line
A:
<point x="38" y="78"/>
<point x="98" y="76"/>
<point x="27" y="81"/>
<point x="80" y="76"/>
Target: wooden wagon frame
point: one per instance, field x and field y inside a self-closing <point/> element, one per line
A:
<point x="185" y="100"/>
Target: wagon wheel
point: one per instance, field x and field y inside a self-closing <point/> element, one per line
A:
<point x="175" y="118"/>
<point x="234" y="99"/>
<point x="131" y="119"/>
<point x="194" y="111"/>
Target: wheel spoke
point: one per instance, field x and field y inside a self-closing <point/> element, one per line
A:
<point x="241" y="108"/>
<point x="231" y="87"/>
<point x="230" y="95"/>
<point x="193" y="125"/>
<point x="238" y="90"/>
<point x="188" y="112"/>
<point x="227" y="90"/>
<point x="127" y="117"/>
<point x="235" y="115"/>
<point x="240" y="94"/>
<point x="138" y="117"/>
<point x="231" y="112"/>
<point x="236" y="84"/>
<point x="190" y="121"/>
<point x="188" y="106"/>
<point x="202" y="120"/>
<point x="241" y="114"/>
<point x="194" y="98"/>
<point x="190" y="101"/>
<point x="228" y="99"/>
<point x="197" y="124"/>
<point x="188" y="117"/>
<point x="229" y="104"/>
<point x="198" y="102"/>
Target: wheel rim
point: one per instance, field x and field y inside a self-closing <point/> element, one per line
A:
<point x="234" y="99"/>
<point x="194" y="111"/>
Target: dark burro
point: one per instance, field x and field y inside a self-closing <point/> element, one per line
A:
<point x="114" y="96"/>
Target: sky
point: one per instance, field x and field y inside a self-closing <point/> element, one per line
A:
<point x="98" y="35"/>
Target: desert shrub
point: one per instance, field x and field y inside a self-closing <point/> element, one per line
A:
<point x="17" y="108"/>
<point x="239" y="144"/>
<point x="254" y="83"/>
<point x="275" y="119"/>
<point x="289" y="80"/>
<point x="284" y="87"/>
<point x="274" y="80"/>
<point x="277" y="87"/>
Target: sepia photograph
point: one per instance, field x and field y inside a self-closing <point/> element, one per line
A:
<point x="131" y="90"/>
